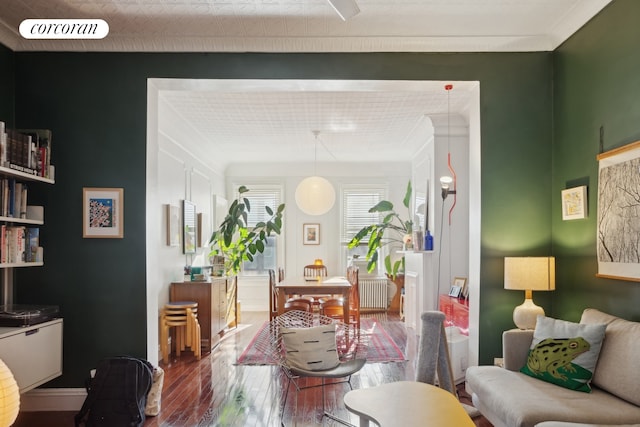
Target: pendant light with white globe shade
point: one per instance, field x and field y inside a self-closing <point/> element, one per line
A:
<point x="315" y="195"/>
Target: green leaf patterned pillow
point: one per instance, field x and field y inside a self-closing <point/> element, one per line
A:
<point x="564" y="353"/>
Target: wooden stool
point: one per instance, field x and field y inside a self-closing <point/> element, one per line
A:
<point x="183" y="316"/>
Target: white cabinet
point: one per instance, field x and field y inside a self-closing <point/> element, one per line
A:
<point x="409" y="306"/>
<point x="458" y="352"/>
<point x="33" y="353"/>
<point x="421" y="290"/>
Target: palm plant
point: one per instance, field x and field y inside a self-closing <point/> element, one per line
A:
<point x="392" y="229"/>
<point x="235" y="241"/>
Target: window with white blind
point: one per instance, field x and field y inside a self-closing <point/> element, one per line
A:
<point x="260" y="196"/>
<point x="356" y="202"/>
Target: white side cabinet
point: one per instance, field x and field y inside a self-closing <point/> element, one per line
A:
<point x="33" y="353"/>
<point x="409" y="309"/>
<point x="421" y="292"/>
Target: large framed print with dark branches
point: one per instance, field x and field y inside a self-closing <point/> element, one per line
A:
<point x="618" y="239"/>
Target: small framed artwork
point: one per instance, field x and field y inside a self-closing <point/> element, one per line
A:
<point x="311" y="234"/>
<point x="461" y="282"/>
<point x="102" y="213"/>
<point x="173" y="225"/>
<point x="189" y="227"/>
<point x="574" y="203"/>
<point x="455" y="291"/>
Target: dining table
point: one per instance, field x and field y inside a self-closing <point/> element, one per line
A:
<point x="318" y="285"/>
<point x="407" y="403"/>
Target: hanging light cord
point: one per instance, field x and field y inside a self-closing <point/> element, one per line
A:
<point x="440" y="246"/>
<point x="315" y="152"/>
<point x="315" y="155"/>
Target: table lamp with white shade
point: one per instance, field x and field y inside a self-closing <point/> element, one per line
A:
<point x="529" y="274"/>
<point x="9" y="396"/>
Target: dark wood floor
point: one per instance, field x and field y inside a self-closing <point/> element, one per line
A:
<point x="216" y="392"/>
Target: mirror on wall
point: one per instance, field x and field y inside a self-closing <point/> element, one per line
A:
<point x="189" y="227"/>
<point x="219" y="210"/>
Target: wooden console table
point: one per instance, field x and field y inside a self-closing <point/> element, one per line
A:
<point x="217" y="304"/>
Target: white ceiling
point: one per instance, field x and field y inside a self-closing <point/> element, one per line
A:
<point x="275" y="120"/>
<point x="262" y="121"/>
<point x="307" y="25"/>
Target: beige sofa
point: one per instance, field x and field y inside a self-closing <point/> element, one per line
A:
<point x="508" y="398"/>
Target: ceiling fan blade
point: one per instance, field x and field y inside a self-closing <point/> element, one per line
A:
<point x="345" y="8"/>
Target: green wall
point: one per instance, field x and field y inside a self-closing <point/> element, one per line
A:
<point x="6" y="86"/>
<point x="96" y="106"/>
<point x="596" y="84"/>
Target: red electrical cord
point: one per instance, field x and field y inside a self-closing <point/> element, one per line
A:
<point x="453" y="172"/>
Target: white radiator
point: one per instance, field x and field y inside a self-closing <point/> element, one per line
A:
<point x="373" y="293"/>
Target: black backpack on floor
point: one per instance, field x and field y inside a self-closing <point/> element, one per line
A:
<point x="117" y="394"/>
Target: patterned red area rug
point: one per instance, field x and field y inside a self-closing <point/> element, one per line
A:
<point x="382" y="348"/>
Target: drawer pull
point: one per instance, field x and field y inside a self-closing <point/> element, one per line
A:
<point x="31" y="332"/>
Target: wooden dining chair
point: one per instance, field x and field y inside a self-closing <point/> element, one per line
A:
<point x="313" y="270"/>
<point x="280" y="274"/>
<point x="333" y="307"/>
<point x="354" y="294"/>
<point x="301" y="304"/>
<point x="273" y="295"/>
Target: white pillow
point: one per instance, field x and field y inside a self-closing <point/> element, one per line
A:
<point x="311" y="349"/>
<point x="564" y="353"/>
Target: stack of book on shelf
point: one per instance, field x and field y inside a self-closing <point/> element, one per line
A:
<point x="26" y="150"/>
<point x="20" y="244"/>
<point x="13" y="198"/>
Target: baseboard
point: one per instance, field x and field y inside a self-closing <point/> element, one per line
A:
<point x="53" y="399"/>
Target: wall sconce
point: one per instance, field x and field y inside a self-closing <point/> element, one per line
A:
<point x="529" y="274"/>
<point x="445" y="184"/>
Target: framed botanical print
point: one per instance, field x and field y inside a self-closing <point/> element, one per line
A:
<point x="618" y="234"/>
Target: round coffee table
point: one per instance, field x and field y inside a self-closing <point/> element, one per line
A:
<point x="407" y="403"/>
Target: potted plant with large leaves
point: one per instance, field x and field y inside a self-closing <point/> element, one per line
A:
<point x="392" y="229"/>
<point x="235" y="241"/>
